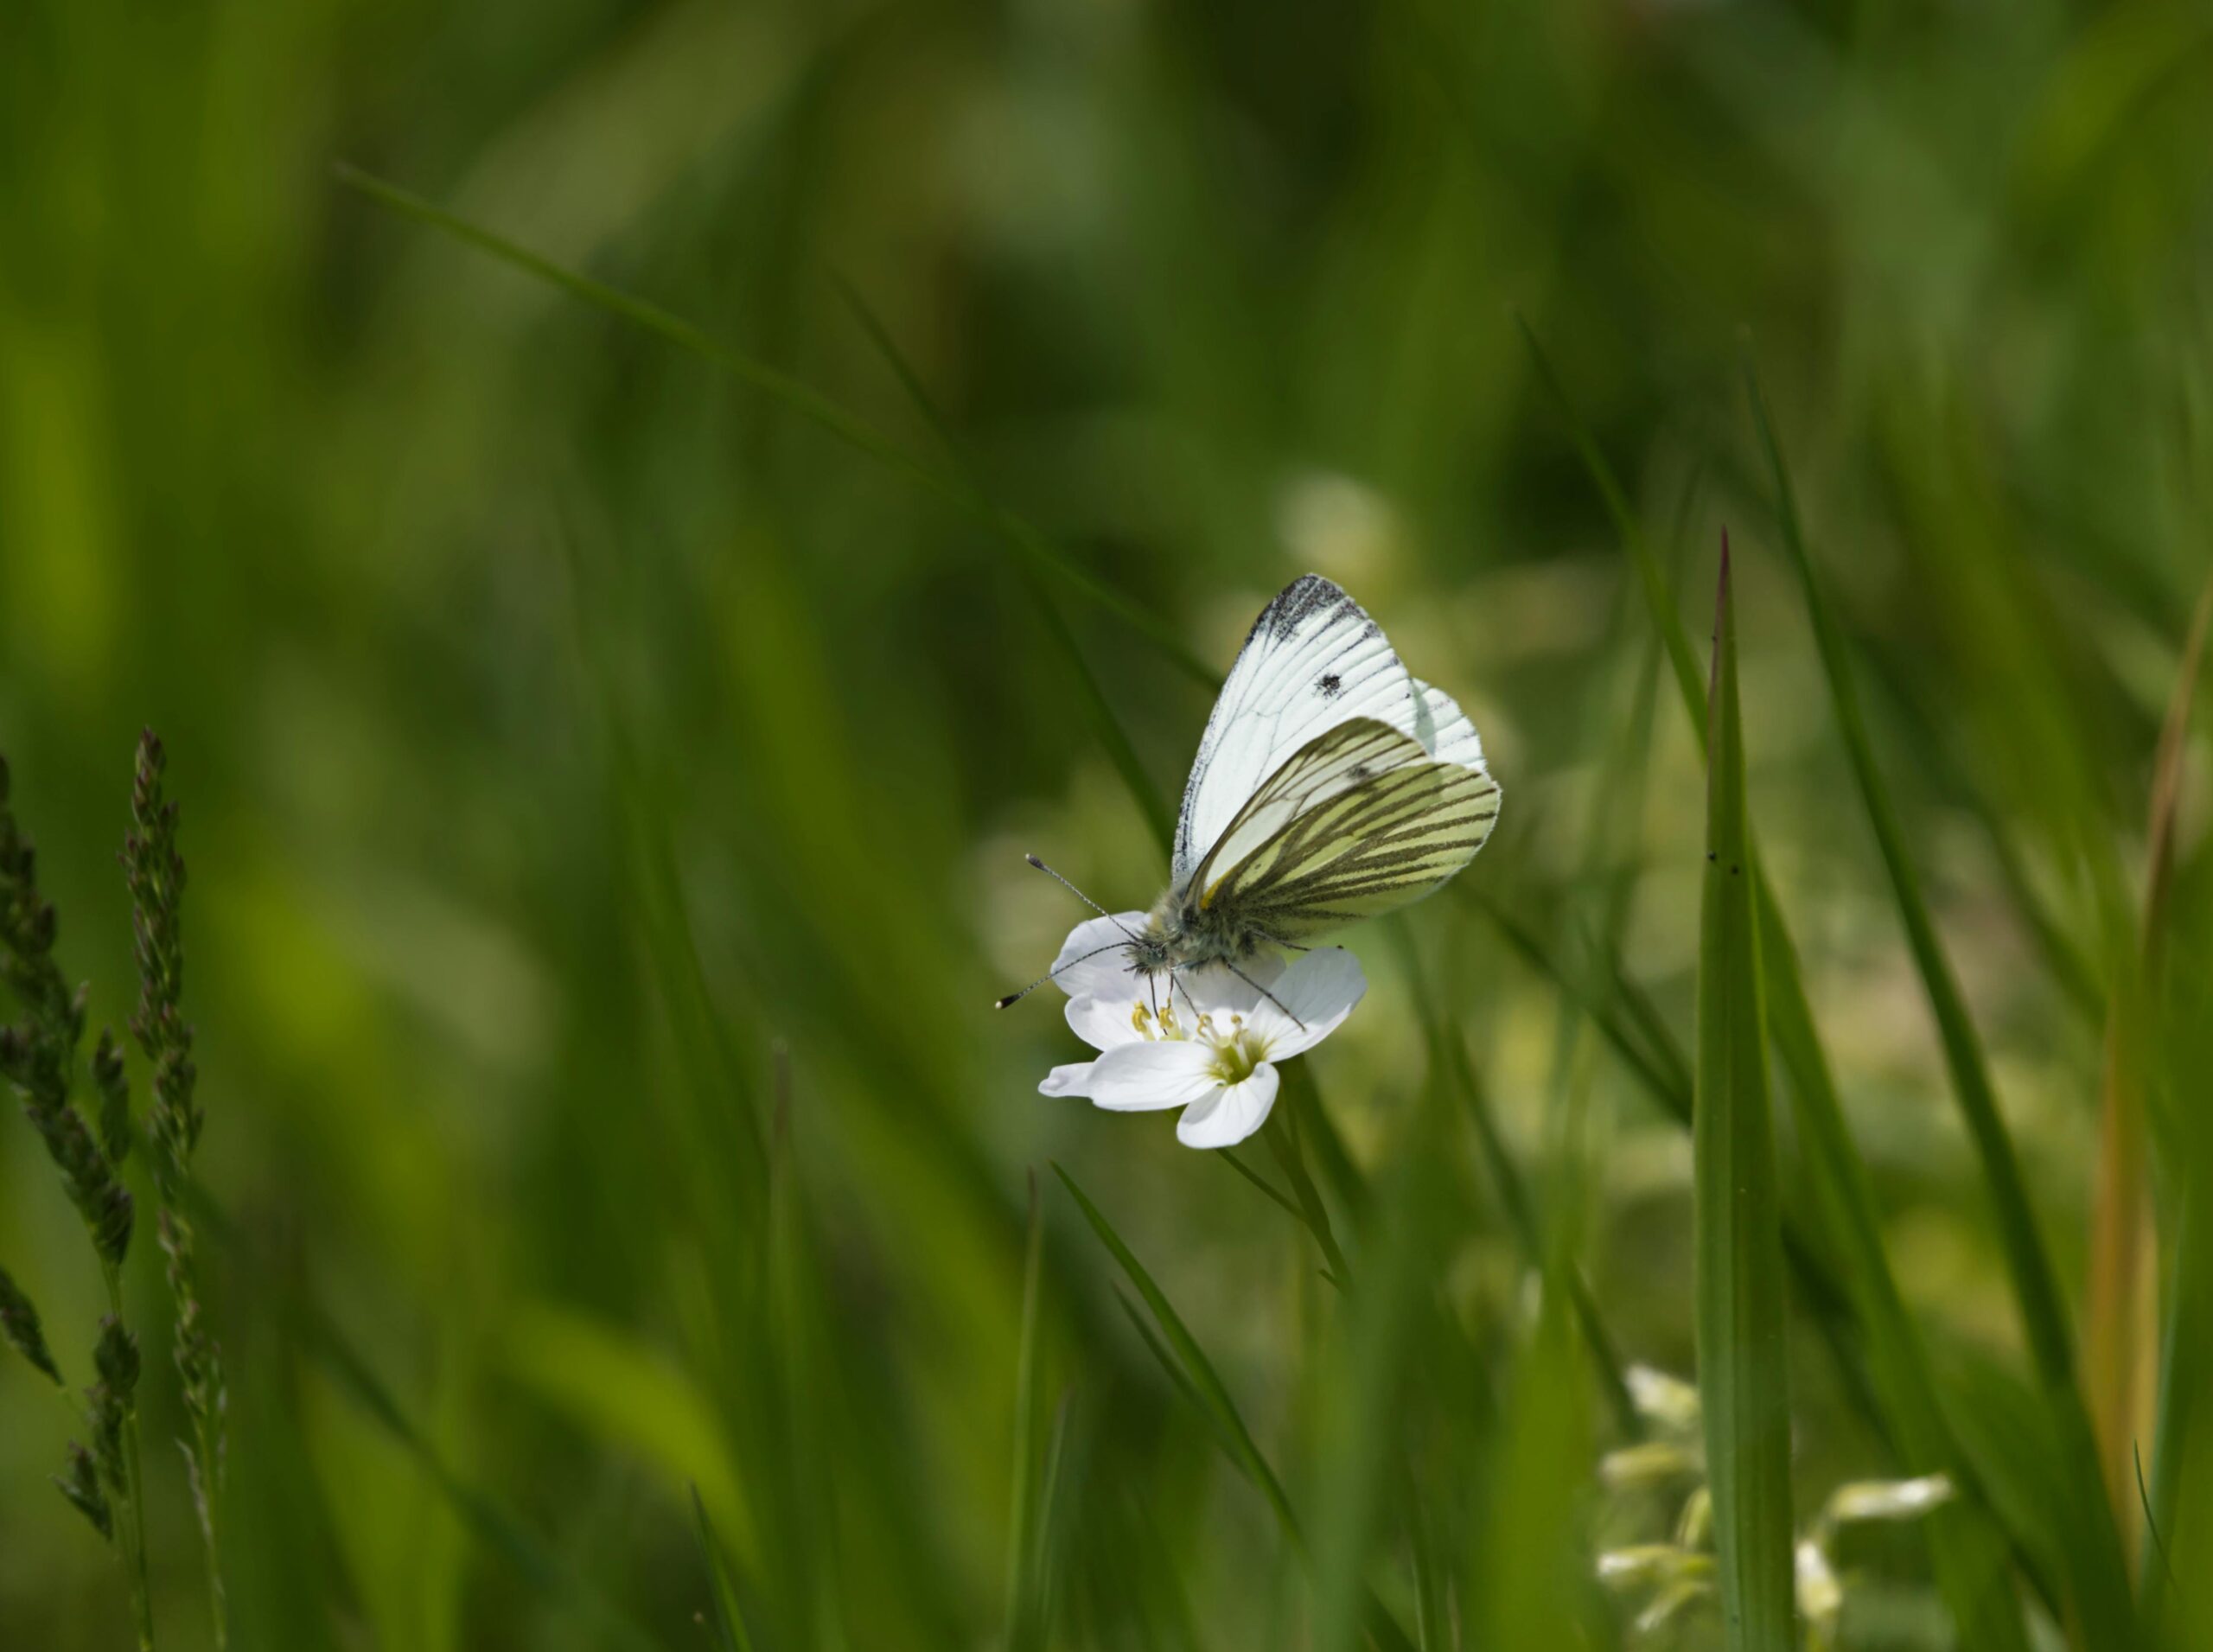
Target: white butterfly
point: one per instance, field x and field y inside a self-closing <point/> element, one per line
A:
<point x="1330" y="785"/>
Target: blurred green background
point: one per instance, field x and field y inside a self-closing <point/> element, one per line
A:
<point x="563" y="728"/>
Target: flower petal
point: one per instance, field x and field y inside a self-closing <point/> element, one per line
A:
<point x="1135" y="1078"/>
<point x="1075" y="1079"/>
<point x="1218" y="991"/>
<point x="1103" y="1022"/>
<point x="1319" y="990"/>
<point x="1092" y="963"/>
<point x="1231" y="1114"/>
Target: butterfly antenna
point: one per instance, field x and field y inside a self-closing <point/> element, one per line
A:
<point x="1016" y="997"/>
<point x="1080" y="896"/>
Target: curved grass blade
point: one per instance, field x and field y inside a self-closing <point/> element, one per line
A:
<point x="490" y="1521"/>
<point x="1682" y="658"/>
<point x="1228" y="1156"/>
<point x="2036" y="1287"/>
<point x="1282" y="1132"/>
<point x="1741" y="1358"/>
<point x="1193" y="1374"/>
<point x="1204" y="1385"/>
<point x="1825" y="1295"/>
<point x="2098" y="1570"/>
<point x="1449" y="1061"/>
<point x="1965" y="1536"/>
<point x="1097" y="709"/>
<point x="729" y="1623"/>
<point x="1303" y="1097"/>
<point x="1024" y="1619"/>
<point x="2184" y="1364"/>
<point x="1661" y="1067"/>
<point x="2122" y="1238"/>
<point x="798" y="397"/>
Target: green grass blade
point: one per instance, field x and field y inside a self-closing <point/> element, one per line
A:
<point x="729" y="1622"/>
<point x="1195" y="1376"/>
<point x="1662" y="1070"/>
<point x="801" y="398"/>
<point x="2036" y="1287"/>
<point x="1969" y="1552"/>
<point x="1228" y="1156"/>
<point x="2184" y="1364"/>
<point x="2098" y="1570"/>
<point x="1283" y="1138"/>
<point x="1205" y="1385"/>
<point x="1742" y="1354"/>
<point x="1964" y="1535"/>
<point x="2122" y="1236"/>
<point x="1054" y="1493"/>
<point x="1682" y="658"/>
<point x="1823" y="1294"/>
<point x="483" y="1515"/>
<point x="1024" y="1623"/>
<point x="1450" y="1066"/>
<point x="1098" y="710"/>
<point x="1302" y="1097"/>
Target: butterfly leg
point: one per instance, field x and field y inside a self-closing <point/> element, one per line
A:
<point x="1173" y="983"/>
<point x="1264" y="992"/>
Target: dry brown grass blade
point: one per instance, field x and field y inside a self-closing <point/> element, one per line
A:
<point x="2119" y="1354"/>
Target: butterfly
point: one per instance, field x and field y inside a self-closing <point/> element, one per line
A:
<point x="1332" y="784"/>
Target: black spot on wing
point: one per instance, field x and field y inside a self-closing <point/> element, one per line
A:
<point x="1329" y="685"/>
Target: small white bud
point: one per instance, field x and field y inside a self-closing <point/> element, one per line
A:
<point x="1820" y="1596"/>
<point x="1888" y="1499"/>
<point x="1667" y="1401"/>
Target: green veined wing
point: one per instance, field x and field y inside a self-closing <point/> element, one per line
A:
<point x="1360" y="819"/>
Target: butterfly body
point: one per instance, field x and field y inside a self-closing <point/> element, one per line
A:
<point x="1186" y="932"/>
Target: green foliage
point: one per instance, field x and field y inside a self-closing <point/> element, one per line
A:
<point x="1742" y="1366"/>
<point x="634" y="518"/>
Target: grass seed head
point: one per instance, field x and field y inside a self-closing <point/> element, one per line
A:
<point x="19" y="1325"/>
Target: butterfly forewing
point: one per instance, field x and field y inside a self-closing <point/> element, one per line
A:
<point x="1312" y="660"/>
<point x="1360" y="819"/>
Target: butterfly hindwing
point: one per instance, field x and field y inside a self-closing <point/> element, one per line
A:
<point x="1360" y="819"/>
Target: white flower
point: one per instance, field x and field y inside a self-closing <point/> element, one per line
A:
<point x="1208" y="1044"/>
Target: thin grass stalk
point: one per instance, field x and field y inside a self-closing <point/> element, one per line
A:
<point x="1963" y="1536"/>
<point x="1098" y="711"/>
<point x="2117" y="1363"/>
<point x="2185" y="1359"/>
<point x="1022" y="1617"/>
<point x="1303" y="1097"/>
<point x="1645" y="1046"/>
<point x="155" y="871"/>
<point x="1195" y="1376"/>
<point x="802" y="398"/>
<point x="2099" y="1594"/>
<point x="1451" y="1066"/>
<point x="1282" y="1133"/>
<point x="2036" y="1287"/>
<point x="729" y="1623"/>
<point x="1822" y="1292"/>
<point x="1360" y="1436"/>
